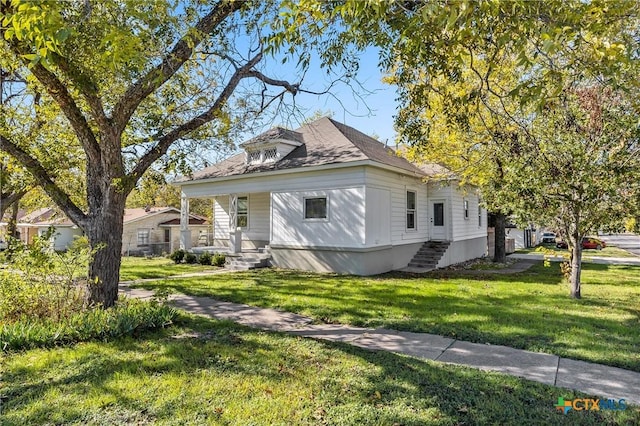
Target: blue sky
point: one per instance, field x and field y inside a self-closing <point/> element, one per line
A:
<point x="368" y="106"/>
<point x="372" y="112"/>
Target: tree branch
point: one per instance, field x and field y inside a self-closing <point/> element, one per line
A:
<point x="87" y="87"/>
<point x="60" y="197"/>
<point x="9" y="198"/>
<point x="171" y="63"/>
<point x="65" y="101"/>
<point x="165" y="141"/>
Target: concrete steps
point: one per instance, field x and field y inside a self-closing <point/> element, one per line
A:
<point x="429" y="255"/>
<point x="247" y="261"/>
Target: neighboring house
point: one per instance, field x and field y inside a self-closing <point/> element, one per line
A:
<point x="153" y="230"/>
<point x="38" y="223"/>
<point x="156" y="230"/>
<point x="327" y="197"/>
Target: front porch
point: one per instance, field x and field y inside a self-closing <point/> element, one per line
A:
<point x="241" y="224"/>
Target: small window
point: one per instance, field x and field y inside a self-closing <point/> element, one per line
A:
<point x="270" y="154"/>
<point x="253" y="157"/>
<point x="479" y="214"/>
<point x="143" y="237"/>
<point x="411" y="210"/>
<point x="242" y="216"/>
<point x="465" y="206"/>
<point x="315" y="208"/>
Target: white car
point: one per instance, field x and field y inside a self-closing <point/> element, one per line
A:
<point x="548" y="238"/>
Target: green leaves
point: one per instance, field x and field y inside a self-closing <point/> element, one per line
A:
<point x="39" y="24"/>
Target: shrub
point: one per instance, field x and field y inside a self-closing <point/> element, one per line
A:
<point x="42" y="284"/>
<point x="126" y="317"/>
<point x="218" y="259"/>
<point x="190" y="258"/>
<point x="205" y="258"/>
<point x="43" y="294"/>
<point x="177" y="256"/>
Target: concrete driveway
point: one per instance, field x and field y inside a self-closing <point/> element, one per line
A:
<point x="628" y="242"/>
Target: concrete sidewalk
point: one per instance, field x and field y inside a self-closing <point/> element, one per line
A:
<point x="594" y="379"/>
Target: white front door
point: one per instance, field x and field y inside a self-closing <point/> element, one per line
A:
<point x="437" y="219"/>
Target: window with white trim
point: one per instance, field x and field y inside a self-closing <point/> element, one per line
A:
<point x="465" y="207"/>
<point x="242" y="215"/>
<point x="411" y="209"/>
<point x="143" y="237"/>
<point x="315" y="208"/>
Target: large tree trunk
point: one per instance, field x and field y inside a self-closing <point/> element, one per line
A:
<point x="576" y="265"/>
<point x="104" y="231"/>
<point x="500" y="254"/>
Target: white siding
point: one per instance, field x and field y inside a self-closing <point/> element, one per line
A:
<point x="313" y="180"/>
<point x="397" y="185"/>
<point x="221" y="218"/>
<point x="259" y="212"/>
<point x="63" y="236"/>
<point x="344" y="226"/>
<point x="378" y="217"/>
<point x="462" y="228"/>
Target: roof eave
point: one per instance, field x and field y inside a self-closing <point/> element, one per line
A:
<point x="303" y="169"/>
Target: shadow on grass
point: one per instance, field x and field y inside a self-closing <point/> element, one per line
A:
<point x="529" y="310"/>
<point x="344" y="384"/>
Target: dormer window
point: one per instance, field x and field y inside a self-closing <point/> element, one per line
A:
<point x="253" y="157"/>
<point x="271" y="146"/>
<point x="270" y="154"/>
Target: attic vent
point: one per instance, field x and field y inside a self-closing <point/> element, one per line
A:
<point x="270" y="154"/>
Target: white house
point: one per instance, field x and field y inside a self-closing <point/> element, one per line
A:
<point x="327" y="197"/>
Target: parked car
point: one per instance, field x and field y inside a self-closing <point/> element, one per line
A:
<point x="588" y="243"/>
<point x="548" y="238"/>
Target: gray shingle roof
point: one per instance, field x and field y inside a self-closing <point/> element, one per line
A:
<point x="275" y="133"/>
<point x="326" y="141"/>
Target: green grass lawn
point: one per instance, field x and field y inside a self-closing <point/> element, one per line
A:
<point x="530" y="310"/>
<point x="609" y="251"/>
<point x="136" y="268"/>
<point x="208" y="372"/>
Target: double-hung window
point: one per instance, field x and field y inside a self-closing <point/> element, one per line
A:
<point x="411" y="210"/>
<point x="242" y="214"/>
<point x="465" y="206"/>
<point x="143" y="237"/>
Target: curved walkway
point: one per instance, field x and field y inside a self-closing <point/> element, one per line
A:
<point x="595" y="379"/>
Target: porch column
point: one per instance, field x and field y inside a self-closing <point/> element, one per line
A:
<point x="235" y="234"/>
<point x="185" y="233"/>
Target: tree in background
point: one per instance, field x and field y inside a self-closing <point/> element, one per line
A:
<point x="471" y="136"/>
<point x="577" y="171"/>
<point x="136" y="83"/>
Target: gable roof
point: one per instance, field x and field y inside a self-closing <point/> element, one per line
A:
<point x="38" y="215"/>
<point x="326" y="141"/>
<point x="131" y="215"/>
